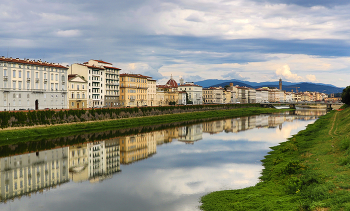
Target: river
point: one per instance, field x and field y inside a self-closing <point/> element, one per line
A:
<point x="166" y="169"/>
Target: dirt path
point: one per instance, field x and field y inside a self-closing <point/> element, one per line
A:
<point x="333" y="123"/>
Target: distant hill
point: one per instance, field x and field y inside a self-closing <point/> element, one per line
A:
<point x="288" y="86"/>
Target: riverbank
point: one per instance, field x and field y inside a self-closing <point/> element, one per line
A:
<point x="310" y="171"/>
<point x="31" y="134"/>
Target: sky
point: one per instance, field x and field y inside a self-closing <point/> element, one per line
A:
<point x="252" y="40"/>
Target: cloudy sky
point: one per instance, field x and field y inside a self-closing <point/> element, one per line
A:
<point x="253" y="40"/>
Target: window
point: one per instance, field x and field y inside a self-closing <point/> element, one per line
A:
<point x="14" y="73"/>
<point x="73" y="95"/>
<point x="56" y="86"/>
<point x="28" y="85"/>
<point x="56" y="77"/>
<point x="5" y="72"/>
<point x="19" y="74"/>
<point x="44" y="75"/>
<point x="72" y="103"/>
<point x="20" y="84"/>
<point x="36" y="74"/>
<point x="77" y="87"/>
<point x="28" y="74"/>
<point x="51" y="76"/>
<point x="72" y="86"/>
<point x="14" y="84"/>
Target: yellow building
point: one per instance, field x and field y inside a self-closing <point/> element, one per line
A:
<point x="77" y="91"/>
<point x="133" y="148"/>
<point x="133" y="90"/>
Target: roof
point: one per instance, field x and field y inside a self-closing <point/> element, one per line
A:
<point x="72" y="76"/>
<point x="115" y="68"/>
<point x="133" y="75"/>
<point x="100" y="61"/>
<point x="31" y="62"/>
<point x="94" y="67"/>
<point x="172" y="83"/>
<point x="190" y="85"/>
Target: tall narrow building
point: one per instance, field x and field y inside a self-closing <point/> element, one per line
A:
<point x="280" y="83"/>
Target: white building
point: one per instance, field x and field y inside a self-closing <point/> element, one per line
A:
<point x="151" y="92"/>
<point x="103" y="82"/>
<point x="29" y="84"/>
<point x="262" y="95"/>
<point x="193" y="91"/>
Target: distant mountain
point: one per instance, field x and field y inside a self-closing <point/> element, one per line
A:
<point x="288" y="86"/>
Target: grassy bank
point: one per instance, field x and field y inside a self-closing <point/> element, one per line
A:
<point x="311" y="171"/>
<point x="29" y="134"/>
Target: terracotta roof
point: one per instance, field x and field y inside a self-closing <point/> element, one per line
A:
<point x="72" y="76"/>
<point x="214" y="88"/>
<point x="32" y="62"/>
<point x="133" y="75"/>
<point x="100" y="61"/>
<point x="111" y="68"/>
<point x="94" y="67"/>
<point x="172" y="83"/>
<point x="190" y="85"/>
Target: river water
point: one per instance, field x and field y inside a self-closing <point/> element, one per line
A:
<point x="166" y="169"/>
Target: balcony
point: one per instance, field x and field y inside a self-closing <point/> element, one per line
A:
<point x="45" y="80"/>
<point x="28" y="79"/>
<point x="6" y="78"/>
<point x="36" y="80"/>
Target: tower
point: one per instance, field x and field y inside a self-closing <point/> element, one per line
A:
<point x="280" y="83"/>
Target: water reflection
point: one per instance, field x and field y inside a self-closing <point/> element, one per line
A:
<point x="222" y="154"/>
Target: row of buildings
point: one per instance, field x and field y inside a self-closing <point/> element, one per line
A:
<point x="30" y="173"/>
<point x="29" y="84"/>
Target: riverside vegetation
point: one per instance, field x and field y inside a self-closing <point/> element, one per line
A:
<point x="310" y="171"/>
<point x="18" y="135"/>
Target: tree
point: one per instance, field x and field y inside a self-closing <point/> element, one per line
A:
<point x="346" y="95"/>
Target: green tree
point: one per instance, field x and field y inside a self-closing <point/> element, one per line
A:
<point x="346" y="95"/>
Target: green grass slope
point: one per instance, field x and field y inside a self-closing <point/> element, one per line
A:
<point x="310" y="171"/>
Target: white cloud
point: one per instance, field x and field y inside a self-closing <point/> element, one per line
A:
<point x="311" y="78"/>
<point x="68" y="33"/>
<point x="285" y="72"/>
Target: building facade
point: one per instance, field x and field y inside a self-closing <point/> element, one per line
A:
<point x="103" y="82"/>
<point x="29" y="85"/>
<point x="133" y="90"/>
<point x="151" y="92"/>
<point x="77" y="94"/>
<point x="194" y="92"/>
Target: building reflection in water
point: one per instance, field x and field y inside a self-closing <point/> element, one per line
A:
<point x="33" y="172"/>
<point x="25" y="174"/>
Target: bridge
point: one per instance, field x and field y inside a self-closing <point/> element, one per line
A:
<point x="312" y="105"/>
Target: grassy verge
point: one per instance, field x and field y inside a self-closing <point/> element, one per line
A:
<point x="311" y="171"/>
<point x="30" y="134"/>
